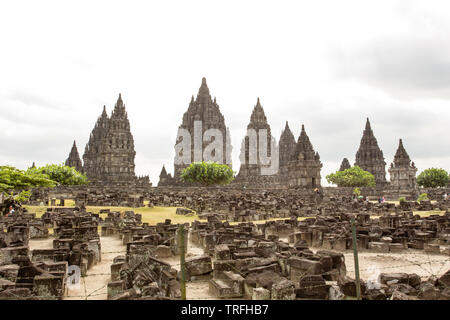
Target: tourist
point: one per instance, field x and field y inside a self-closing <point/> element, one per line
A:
<point x="383" y="200"/>
<point x="11" y="211"/>
<point x="445" y="196"/>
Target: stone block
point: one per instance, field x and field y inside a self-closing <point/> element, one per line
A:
<point x="260" y="294"/>
<point x="283" y="290"/>
<point x="196" y="266"/>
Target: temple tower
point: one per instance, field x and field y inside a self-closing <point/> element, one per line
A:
<point x="345" y="165"/>
<point x="287" y="146"/>
<point x="251" y="163"/>
<point x="305" y="165"/>
<point x="109" y="154"/>
<point x="74" y="159"/>
<point x="164" y="178"/>
<point x="370" y="157"/>
<point x="204" y="109"/>
<point x="402" y="171"/>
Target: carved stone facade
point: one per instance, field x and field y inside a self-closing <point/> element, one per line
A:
<point x="370" y="157"/>
<point x="402" y="171"/>
<point x="74" y="159"/>
<point x="205" y="111"/>
<point x="303" y="169"/>
<point x="251" y="161"/>
<point x="109" y="154"/>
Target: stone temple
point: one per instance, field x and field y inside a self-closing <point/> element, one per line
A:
<point x="109" y="155"/>
<point x="74" y="159"/>
<point x="287" y="146"/>
<point x="204" y="109"/>
<point x="402" y="171"/>
<point x="345" y="165"/>
<point x="370" y="157"/>
<point x="251" y="163"/>
<point x="303" y="169"/>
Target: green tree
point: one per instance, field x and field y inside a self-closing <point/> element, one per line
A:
<point x="61" y="174"/>
<point x="14" y="179"/>
<point x="352" y="177"/>
<point x="433" y="178"/>
<point x="208" y="173"/>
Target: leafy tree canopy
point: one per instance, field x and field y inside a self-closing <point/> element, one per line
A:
<point x="61" y="174"/>
<point x="14" y="179"/>
<point x="352" y="177"/>
<point x="207" y="173"/>
<point x="433" y="178"/>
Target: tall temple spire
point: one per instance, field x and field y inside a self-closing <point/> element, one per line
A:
<point x="203" y="93"/>
<point x="304" y="149"/>
<point x="250" y="171"/>
<point x="368" y="127"/>
<point x="258" y="115"/>
<point x="286" y="146"/>
<point x="109" y="154"/>
<point x="74" y="158"/>
<point x="369" y="156"/>
<point x="203" y="109"/>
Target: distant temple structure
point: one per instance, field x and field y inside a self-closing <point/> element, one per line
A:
<point x="287" y="146"/>
<point x="74" y="159"/>
<point x="370" y="157"/>
<point x="205" y="110"/>
<point x="345" y="165"/>
<point x="109" y="155"/>
<point x="303" y="169"/>
<point x="252" y="164"/>
<point x="402" y="171"/>
<point x="165" y="179"/>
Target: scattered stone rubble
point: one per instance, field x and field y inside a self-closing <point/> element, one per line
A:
<point x="141" y="274"/>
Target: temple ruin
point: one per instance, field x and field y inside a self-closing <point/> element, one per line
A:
<point x="402" y="171"/>
<point x="204" y="109"/>
<point x="370" y="157"/>
<point x="303" y="169"/>
<point x="251" y="161"/>
<point x="74" y="159"/>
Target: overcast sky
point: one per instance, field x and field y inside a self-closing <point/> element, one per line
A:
<point x="326" y="64"/>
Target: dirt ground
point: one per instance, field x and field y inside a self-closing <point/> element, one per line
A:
<point x="371" y="264"/>
<point x="412" y="261"/>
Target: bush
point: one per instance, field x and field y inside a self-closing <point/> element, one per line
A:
<point x="353" y="177"/>
<point x="402" y="199"/>
<point x="433" y="178"/>
<point x="422" y="197"/>
<point x="208" y="173"/>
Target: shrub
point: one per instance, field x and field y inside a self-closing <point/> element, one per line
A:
<point x="422" y="197"/>
<point x="208" y="173"/>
